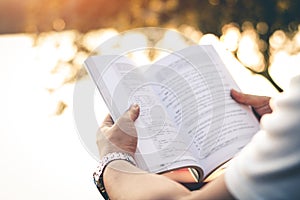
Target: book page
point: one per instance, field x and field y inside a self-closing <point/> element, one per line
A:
<point x="214" y="127"/>
<point x="121" y="83"/>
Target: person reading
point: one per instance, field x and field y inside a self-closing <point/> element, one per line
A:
<point x="267" y="168"/>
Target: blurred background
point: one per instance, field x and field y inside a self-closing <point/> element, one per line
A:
<point x="43" y="44"/>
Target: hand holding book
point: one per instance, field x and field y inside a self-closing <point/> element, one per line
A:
<point x="187" y="118"/>
<point x="112" y="137"/>
<point x="260" y="104"/>
<point x="120" y="136"/>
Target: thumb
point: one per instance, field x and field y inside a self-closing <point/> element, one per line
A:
<point x="246" y="99"/>
<point x="125" y="122"/>
<point x="134" y="111"/>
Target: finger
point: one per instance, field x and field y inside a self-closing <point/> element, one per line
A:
<point x="248" y="99"/>
<point x="126" y="121"/>
<point x="238" y="97"/>
<point x="134" y="111"/>
<point x="108" y="121"/>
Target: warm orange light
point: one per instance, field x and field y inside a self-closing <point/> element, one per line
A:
<point x="231" y="36"/>
<point x="249" y="52"/>
<point x="58" y="24"/>
<point x="278" y="39"/>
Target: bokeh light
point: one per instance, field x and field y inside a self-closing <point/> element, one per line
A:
<point x="230" y="37"/>
<point x="249" y="52"/>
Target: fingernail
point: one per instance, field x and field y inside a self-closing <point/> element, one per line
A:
<point x="135" y="106"/>
<point x="234" y="91"/>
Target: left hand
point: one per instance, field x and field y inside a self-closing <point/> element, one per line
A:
<point x="260" y="104"/>
<point x="118" y="137"/>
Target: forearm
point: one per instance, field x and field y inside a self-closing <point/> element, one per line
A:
<point x="214" y="190"/>
<point x="124" y="181"/>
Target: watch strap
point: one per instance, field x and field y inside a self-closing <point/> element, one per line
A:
<point x="98" y="174"/>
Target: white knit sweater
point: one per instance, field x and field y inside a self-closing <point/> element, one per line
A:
<point x="269" y="166"/>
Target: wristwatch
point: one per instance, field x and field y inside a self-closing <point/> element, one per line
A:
<point x="98" y="174"/>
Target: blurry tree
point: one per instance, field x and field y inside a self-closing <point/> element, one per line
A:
<point x="209" y="16"/>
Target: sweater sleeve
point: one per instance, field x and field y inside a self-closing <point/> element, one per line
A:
<point x="269" y="166"/>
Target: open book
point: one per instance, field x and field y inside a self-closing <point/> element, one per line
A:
<point x="187" y="118"/>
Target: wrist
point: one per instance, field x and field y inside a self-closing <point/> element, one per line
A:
<point x="120" y="166"/>
<point x="109" y="150"/>
<point x="115" y="156"/>
<point x="108" y="158"/>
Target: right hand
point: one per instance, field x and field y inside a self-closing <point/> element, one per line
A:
<point x="260" y="104"/>
<point x="120" y="136"/>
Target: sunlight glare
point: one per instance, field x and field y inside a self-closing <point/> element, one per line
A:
<point x="296" y="40"/>
<point x="18" y="43"/>
<point x="249" y="53"/>
<point x="284" y="68"/>
<point x="231" y="36"/>
<point x="247" y="81"/>
<point x="209" y="39"/>
<point x="278" y="39"/>
<point x="167" y="42"/>
<point x="136" y="45"/>
<point x="93" y="39"/>
<point x="54" y="50"/>
<point x="190" y="32"/>
<point x="52" y="47"/>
